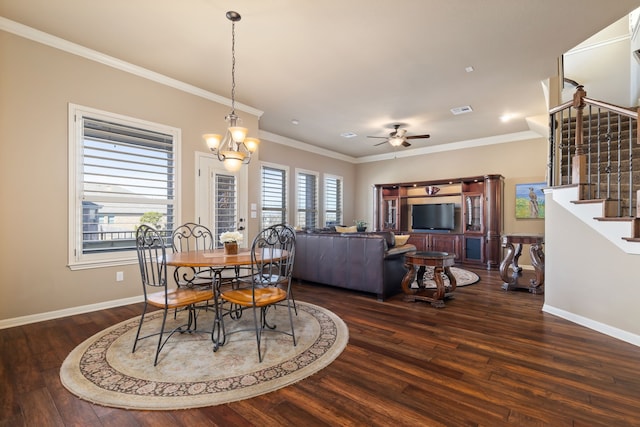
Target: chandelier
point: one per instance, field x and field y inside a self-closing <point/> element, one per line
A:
<point x="235" y="148"/>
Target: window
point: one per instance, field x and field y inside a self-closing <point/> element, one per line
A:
<point x="306" y="199"/>
<point x="226" y="206"/>
<point x="274" y="195"/>
<point x="332" y="200"/>
<point x="122" y="174"/>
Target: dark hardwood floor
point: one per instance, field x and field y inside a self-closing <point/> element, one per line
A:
<point x="489" y="358"/>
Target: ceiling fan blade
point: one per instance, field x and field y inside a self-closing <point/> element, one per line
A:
<point x="385" y="137"/>
<point x="417" y="136"/>
<point x="380" y="143"/>
<point x="406" y="144"/>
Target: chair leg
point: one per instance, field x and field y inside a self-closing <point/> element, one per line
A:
<point x="293" y="334"/>
<point x="164" y="319"/>
<point x="135" y="342"/>
<point x="258" y="329"/>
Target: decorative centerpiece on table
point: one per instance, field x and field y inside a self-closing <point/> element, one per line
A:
<point x="230" y="240"/>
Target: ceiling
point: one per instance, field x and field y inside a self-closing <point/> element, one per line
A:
<point x="346" y="66"/>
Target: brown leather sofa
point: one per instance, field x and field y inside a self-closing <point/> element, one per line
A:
<point x="367" y="262"/>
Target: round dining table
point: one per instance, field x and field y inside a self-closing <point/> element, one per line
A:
<point x="218" y="261"/>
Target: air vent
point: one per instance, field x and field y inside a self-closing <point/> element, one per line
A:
<point x="461" y="110"/>
<point x="348" y="135"/>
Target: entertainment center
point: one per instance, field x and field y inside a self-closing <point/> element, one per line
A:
<point x="462" y="216"/>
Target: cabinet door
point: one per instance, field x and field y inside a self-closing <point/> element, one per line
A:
<point x="473" y="249"/>
<point x="390" y="213"/>
<point x="419" y="241"/>
<point x="472" y="205"/>
<point x="445" y="243"/>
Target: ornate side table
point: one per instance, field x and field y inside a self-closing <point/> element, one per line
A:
<point x="535" y="241"/>
<point x="441" y="263"/>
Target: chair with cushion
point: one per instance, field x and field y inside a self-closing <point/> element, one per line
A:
<point x="272" y="259"/>
<point x="151" y="249"/>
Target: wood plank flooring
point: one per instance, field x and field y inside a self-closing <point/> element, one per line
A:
<point x="489" y="358"/>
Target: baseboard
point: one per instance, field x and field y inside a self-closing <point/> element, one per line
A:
<point x="594" y="325"/>
<point x="40" y="317"/>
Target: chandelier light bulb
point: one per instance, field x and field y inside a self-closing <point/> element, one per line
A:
<point x="213" y="140"/>
<point x="252" y="144"/>
<point x="232" y="165"/>
<point x="238" y="133"/>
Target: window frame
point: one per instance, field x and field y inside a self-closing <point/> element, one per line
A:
<point x="318" y="212"/>
<point x="76" y="259"/>
<point x="286" y="169"/>
<point x="339" y="203"/>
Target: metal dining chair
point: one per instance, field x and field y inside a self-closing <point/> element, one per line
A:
<point x="151" y="249"/>
<point x="192" y="237"/>
<point x="272" y="258"/>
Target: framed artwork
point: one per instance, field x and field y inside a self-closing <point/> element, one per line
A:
<point x="530" y="200"/>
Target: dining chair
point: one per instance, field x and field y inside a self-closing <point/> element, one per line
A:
<point x="151" y="249"/>
<point x="272" y="258"/>
<point x="192" y="237"/>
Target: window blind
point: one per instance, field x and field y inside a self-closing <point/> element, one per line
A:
<point x="274" y="196"/>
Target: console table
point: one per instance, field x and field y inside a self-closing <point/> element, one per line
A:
<point x="441" y="263"/>
<point x="535" y="241"/>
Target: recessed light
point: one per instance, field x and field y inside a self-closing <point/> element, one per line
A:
<point x="461" y="110"/>
<point x="507" y="117"/>
<point x="348" y="135"/>
<point x="468" y="69"/>
<point x="295" y="122"/>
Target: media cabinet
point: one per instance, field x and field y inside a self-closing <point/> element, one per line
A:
<point x="475" y="237"/>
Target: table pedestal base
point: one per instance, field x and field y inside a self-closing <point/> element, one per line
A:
<point x="441" y="263"/>
<point x="535" y="286"/>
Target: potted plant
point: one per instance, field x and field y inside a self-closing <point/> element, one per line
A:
<point x="230" y="241"/>
<point x="361" y="225"/>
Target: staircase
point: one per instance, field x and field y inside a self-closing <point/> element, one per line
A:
<point x="591" y="166"/>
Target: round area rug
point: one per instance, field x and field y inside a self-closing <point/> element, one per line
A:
<point x="463" y="278"/>
<point x="189" y="374"/>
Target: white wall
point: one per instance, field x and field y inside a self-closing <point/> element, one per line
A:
<point x="588" y="279"/>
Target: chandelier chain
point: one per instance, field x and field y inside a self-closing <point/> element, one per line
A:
<point x="233" y="67"/>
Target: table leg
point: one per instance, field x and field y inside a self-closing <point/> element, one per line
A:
<point x="504" y="265"/>
<point x="217" y="331"/>
<point x="537" y="259"/>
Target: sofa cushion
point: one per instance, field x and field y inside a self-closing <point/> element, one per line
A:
<point x="341" y="229"/>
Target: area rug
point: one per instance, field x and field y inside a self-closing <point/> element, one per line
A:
<point x="463" y="278"/>
<point x="189" y="374"/>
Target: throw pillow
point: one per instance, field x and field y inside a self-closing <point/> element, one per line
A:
<point x="352" y="229"/>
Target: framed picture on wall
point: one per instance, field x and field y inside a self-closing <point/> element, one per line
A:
<point x="530" y="200"/>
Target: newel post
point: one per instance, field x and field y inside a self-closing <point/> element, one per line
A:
<point x="579" y="163"/>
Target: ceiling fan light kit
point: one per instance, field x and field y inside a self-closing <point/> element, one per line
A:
<point x="398" y="137"/>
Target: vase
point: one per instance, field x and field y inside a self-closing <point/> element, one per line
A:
<point x="231" y="248"/>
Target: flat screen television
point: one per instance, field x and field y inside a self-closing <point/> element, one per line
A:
<point x="433" y="216"/>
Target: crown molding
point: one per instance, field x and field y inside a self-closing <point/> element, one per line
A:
<point x="283" y="140"/>
<point x="92" y="55"/>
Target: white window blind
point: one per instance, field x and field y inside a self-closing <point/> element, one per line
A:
<point x="307" y="199"/>
<point x="124" y="176"/>
<point x="226" y="208"/>
<point x="332" y="200"/>
<point x="274" y="196"/>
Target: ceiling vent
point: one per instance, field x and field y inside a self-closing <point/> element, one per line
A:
<point x="461" y="110"/>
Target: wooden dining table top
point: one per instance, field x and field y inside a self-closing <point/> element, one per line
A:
<point x="216" y="258"/>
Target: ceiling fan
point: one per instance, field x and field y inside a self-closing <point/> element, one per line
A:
<point x="398" y="137"/>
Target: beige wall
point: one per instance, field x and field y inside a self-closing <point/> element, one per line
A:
<point x="36" y="84"/>
<point x="293" y="158"/>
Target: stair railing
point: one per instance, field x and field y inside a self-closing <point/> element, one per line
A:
<point x="592" y="144"/>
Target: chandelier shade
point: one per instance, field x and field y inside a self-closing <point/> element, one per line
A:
<point x="234" y="148"/>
